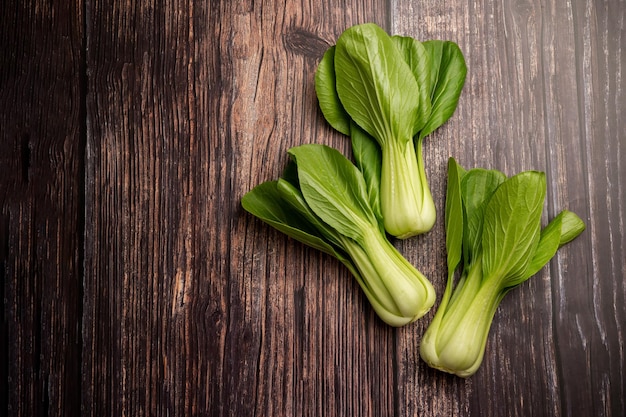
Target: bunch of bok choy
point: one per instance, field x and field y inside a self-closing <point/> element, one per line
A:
<point x="388" y="93"/>
<point x="494" y="236"/>
<point x="322" y="201"/>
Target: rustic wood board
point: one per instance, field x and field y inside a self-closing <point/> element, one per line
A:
<point x="135" y="284"/>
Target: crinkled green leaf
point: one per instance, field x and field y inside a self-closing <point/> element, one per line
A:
<point x="512" y="227"/>
<point x="418" y="60"/>
<point x="448" y="63"/>
<point x="275" y="202"/>
<point x="561" y="230"/>
<point x="477" y="187"/>
<point x="292" y="196"/>
<point x="375" y="85"/>
<point x="325" y="88"/>
<point x="266" y="202"/>
<point x="572" y="227"/>
<point x="454" y="216"/>
<point x="434" y="49"/>
<point x="334" y="189"/>
<point x="367" y="155"/>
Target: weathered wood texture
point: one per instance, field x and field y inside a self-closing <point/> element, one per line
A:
<point x="41" y="206"/>
<point x="134" y="283"/>
<point x="544" y="91"/>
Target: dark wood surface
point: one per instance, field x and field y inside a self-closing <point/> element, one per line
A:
<point x="134" y="284"/>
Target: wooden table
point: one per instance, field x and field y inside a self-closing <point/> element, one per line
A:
<point x="134" y="283"/>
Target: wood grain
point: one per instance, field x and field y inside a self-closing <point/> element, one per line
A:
<point x="41" y="204"/>
<point x="544" y="92"/>
<point x="135" y="284"/>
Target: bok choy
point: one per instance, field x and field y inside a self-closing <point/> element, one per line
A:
<point x="494" y="236"/>
<point x="388" y="93"/>
<point x="322" y="200"/>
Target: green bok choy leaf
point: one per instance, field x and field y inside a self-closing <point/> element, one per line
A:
<point x="494" y="235"/>
<point x="391" y="91"/>
<point x="322" y="200"/>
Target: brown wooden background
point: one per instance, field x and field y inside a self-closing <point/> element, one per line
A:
<point x="134" y="284"/>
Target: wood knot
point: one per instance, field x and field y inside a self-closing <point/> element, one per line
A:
<point x="303" y="42"/>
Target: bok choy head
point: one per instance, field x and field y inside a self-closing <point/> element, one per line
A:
<point x="387" y="93"/>
<point x="322" y="200"/>
<point x="494" y="236"/>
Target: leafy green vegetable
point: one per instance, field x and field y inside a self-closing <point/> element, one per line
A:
<point x="322" y="200"/>
<point x="448" y="73"/>
<point x="493" y="229"/>
<point x="327" y="95"/>
<point x="391" y="91"/>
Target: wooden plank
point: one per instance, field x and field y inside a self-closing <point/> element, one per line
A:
<point x="544" y="92"/>
<point x="143" y="164"/>
<point x="41" y="206"/>
<point x="315" y="346"/>
<point x="590" y="313"/>
<point x="188" y="308"/>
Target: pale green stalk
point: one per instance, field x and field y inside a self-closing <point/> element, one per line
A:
<point x="407" y="205"/>
<point x="399" y="293"/>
